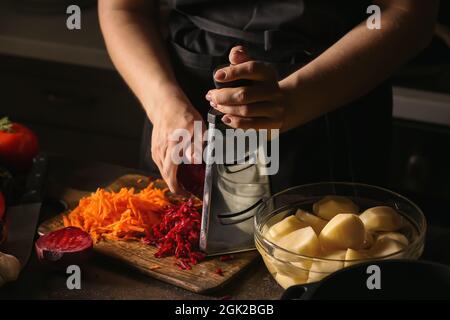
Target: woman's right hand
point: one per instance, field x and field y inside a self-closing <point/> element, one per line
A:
<point x="133" y="38"/>
<point x="172" y="113"/>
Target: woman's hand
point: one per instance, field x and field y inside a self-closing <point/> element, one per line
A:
<point x="259" y="106"/>
<point x="135" y="44"/>
<point x="176" y="112"/>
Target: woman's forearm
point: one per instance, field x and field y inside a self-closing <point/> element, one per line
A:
<point x="359" y="61"/>
<point x="135" y="45"/>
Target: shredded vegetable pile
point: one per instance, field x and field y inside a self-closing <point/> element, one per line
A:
<point x="150" y="216"/>
<point x="122" y="215"/>
<point x="178" y="234"/>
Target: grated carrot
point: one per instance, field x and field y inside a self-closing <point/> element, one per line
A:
<point x="122" y="215"/>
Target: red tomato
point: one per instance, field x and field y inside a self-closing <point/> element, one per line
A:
<point x="18" y="145"/>
<point x="2" y="206"/>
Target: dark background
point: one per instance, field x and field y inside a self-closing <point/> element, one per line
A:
<point x="62" y="84"/>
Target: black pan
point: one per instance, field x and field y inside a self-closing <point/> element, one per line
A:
<point x="399" y="279"/>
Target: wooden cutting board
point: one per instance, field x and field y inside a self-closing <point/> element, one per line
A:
<point x="202" y="278"/>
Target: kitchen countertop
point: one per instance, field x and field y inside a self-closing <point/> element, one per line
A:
<point x="104" y="278"/>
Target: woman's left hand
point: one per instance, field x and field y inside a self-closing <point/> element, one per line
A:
<point x="259" y="106"/>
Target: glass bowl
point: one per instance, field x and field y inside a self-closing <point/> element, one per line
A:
<point x="289" y="268"/>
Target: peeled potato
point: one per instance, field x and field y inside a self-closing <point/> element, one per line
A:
<point x="330" y="206"/>
<point x="286" y="267"/>
<point x="369" y="240"/>
<point x="335" y="263"/>
<point x="381" y="218"/>
<point x="316" y="276"/>
<point x="284" y="227"/>
<point x="322" y="268"/>
<point x="291" y="269"/>
<point x="394" y="236"/>
<point x="289" y="281"/>
<point x="268" y="261"/>
<point x="355" y="255"/>
<point x="303" y="241"/>
<point x="386" y="246"/>
<point x="281" y="257"/>
<point x="302" y="264"/>
<point x="342" y="232"/>
<point x="311" y="220"/>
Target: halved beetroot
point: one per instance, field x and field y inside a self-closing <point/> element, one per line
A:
<point x="64" y="247"/>
<point x="192" y="178"/>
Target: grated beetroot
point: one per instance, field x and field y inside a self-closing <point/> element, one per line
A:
<point x="178" y="235"/>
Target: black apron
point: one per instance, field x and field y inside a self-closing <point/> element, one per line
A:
<point x="350" y="144"/>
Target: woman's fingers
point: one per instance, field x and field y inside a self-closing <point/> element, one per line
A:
<point x="162" y="156"/>
<point x="157" y="152"/>
<point x="248" y="107"/>
<point x="252" y="123"/>
<point x="243" y="95"/>
<point x="169" y="173"/>
<point x="238" y="55"/>
<point x="250" y="70"/>
<point x="259" y="109"/>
